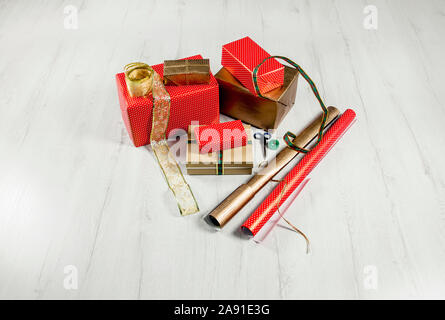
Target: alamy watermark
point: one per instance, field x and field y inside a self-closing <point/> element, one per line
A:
<point x="371" y="277"/>
<point x="70" y="281"/>
<point x="71" y="20"/>
<point x="371" y="20"/>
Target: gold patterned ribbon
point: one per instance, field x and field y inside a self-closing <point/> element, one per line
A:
<point x="172" y="173"/>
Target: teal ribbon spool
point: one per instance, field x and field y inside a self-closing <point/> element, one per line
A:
<point x="273" y="144"/>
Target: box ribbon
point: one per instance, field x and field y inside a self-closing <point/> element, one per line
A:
<point x="170" y="168"/>
<point x="220" y="164"/>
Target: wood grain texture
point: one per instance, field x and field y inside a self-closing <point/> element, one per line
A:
<point x="74" y="191"/>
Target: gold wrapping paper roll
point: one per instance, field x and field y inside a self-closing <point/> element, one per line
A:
<point x="244" y="193"/>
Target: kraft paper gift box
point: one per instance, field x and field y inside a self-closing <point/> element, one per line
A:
<point x="238" y="102"/>
<point x="240" y="58"/>
<point x="186" y="72"/>
<point x="232" y="161"/>
<point x="188" y="103"/>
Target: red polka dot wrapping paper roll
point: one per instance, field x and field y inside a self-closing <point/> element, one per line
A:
<point x="298" y="174"/>
<point x="240" y="58"/>
<point x="222" y="136"/>
<point x="189" y="103"/>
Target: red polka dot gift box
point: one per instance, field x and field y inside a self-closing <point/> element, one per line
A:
<point x="197" y="103"/>
<point x="222" y="136"/>
<point x="240" y="58"/>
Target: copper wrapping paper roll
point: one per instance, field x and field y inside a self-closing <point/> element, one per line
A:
<point x="244" y="193"/>
<point x="293" y="179"/>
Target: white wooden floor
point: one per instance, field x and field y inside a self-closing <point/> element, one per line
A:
<point x="75" y="195"/>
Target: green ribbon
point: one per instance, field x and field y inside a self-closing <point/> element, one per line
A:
<point x="289" y="136"/>
<point x="220" y="164"/>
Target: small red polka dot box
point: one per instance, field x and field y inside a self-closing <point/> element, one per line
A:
<point x="222" y="136"/>
<point x="197" y="103"/>
<point x="240" y="58"/>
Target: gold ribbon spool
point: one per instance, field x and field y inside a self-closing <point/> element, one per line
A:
<point x="139" y="78"/>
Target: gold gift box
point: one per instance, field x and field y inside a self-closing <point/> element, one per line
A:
<point x="238" y="102"/>
<point x="237" y="160"/>
<point x="186" y="72"/>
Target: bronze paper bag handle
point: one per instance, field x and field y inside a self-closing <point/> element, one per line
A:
<point x="288" y="137"/>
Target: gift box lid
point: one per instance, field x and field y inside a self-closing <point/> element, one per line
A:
<point x="239" y="157"/>
<point x="241" y="57"/>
